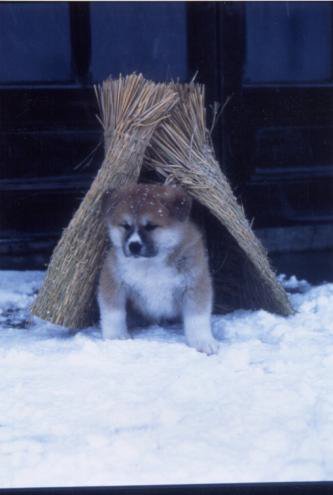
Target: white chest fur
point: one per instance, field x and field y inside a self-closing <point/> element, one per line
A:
<point x="153" y="286"/>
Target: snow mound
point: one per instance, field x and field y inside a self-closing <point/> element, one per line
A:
<point x="75" y="410"/>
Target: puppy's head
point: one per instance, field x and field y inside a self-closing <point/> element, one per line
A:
<point x="145" y="220"/>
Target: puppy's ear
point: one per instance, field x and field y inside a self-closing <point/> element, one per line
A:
<point x="109" y="200"/>
<point x="178" y="203"/>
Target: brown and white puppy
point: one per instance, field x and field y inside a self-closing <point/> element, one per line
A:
<point x="157" y="264"/>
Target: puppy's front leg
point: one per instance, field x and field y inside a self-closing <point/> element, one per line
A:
<point x="197" y="317"/>
<point x="113" y="323"/>
<point x="112" y="307"/>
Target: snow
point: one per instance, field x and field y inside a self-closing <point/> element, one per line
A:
<point x="76" y="410"/>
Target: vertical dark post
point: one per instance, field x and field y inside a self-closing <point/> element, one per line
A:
<point x="233" y="122"/>
<point x="79" y="14"/>
<point x="204" y="51"/>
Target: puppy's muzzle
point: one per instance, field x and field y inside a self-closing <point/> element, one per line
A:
<point x="135" y="248"/>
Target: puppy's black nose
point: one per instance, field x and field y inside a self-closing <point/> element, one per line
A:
<point x="135" y="247"/>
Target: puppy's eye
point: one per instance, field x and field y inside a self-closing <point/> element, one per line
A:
<point x="125" y="226"/>
<point x="150" y="226"/>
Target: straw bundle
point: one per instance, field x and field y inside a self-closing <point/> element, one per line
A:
<point x="181" y="151"/>
<point x="131" y="108"/>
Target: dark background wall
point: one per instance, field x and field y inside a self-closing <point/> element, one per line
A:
<point x="274" y="139"/>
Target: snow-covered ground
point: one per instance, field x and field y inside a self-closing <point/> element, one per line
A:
<point x="75" y="410"/>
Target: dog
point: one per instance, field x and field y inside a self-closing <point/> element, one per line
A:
<point x="157" y="265"/>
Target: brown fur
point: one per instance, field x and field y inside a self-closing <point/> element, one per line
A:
<point x="162" y="203"/>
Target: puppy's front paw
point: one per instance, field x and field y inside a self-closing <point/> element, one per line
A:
<point x="207" y="345"/>
<point x="113" y="324"/>
<point x="111" y="334"/>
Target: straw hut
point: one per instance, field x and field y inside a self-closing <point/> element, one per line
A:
<point x="164" y="128"/>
